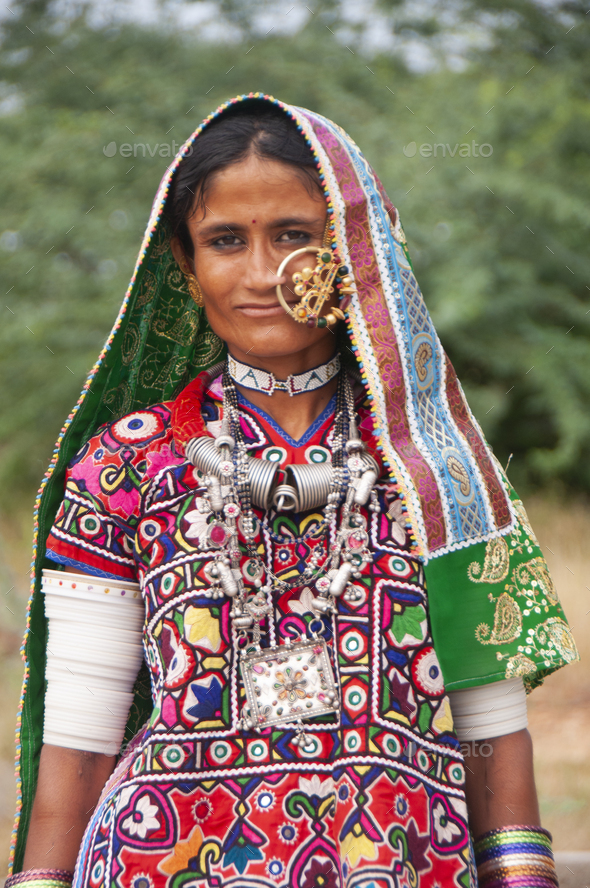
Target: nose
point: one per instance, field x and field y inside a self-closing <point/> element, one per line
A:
<point x="260" y="269"/>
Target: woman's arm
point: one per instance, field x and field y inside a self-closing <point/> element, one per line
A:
<point x="70" y="783"/>
<point x="500" y="783"/>
<point x="69" y="786"/>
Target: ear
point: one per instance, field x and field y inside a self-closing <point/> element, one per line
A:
<point x="181" y="258"/>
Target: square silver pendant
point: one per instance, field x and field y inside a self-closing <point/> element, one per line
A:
<point x="289" y="682"/>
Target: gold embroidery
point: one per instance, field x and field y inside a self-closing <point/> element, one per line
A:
<point x="161" y="241"/>
<point x="549" y="642"/>
<point x="208" y="349"/>
<point x="507" y="623"/>
<point x="169" y="375"/>
<point x="147" y="289"/>
<point x="534" y="573"/>
<point x="524" y="520"/>
<point x="183" y="330"/>
<point x="175" y="279"/>
<point x="118" y="400"/>
<point x="130" y="344"/>
<point x="519" y="665"/>
<point x="554" y="633"/>
<point x="495" y="565"/>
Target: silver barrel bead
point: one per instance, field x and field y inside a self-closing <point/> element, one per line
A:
<point x="262" y="475"/>
<point x="203" y="454"/>
<point x="312" y="484"/>
<point x="214" y="490"/>
<point x="341" y="580"/>
<point x="227" y="579"/>
<point x="367" y="481"/>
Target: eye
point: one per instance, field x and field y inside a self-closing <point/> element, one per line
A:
<point x="227" y="240"/>
<point x="294" y="235"/>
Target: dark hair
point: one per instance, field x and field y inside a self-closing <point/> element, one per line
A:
<point x="250" y="127"/>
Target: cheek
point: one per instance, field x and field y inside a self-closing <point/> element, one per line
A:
<point x="217" y="281"/>
<point x="218" y="284"/>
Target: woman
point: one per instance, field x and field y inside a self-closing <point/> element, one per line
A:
<point x="329" y="558"/>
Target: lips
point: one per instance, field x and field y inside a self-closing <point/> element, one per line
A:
<point x="256" y="309"/>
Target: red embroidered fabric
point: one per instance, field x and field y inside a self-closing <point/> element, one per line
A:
<point x="376" y="799"/>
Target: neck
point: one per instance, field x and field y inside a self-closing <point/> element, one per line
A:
<point x="294" y="414"/>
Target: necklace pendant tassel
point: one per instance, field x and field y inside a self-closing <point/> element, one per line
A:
<point x="301" y="739"/>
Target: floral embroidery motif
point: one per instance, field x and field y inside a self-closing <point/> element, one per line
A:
<point x="538" y="585"/>
<point x="143" y="819"/>
<point x="290" y="685"/>
<point x="445" y="828"/>
<point x="546" y="641"/>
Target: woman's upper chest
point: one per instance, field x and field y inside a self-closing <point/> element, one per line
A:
<point x="178" y="539"/>
<point x="177" y="534"/>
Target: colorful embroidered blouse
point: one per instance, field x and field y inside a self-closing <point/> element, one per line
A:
<point x="376" y="799"/>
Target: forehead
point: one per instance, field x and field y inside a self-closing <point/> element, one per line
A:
<point x="262" y="183"/>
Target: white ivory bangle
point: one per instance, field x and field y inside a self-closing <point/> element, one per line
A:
<point x="94" y="652"/>
<point x="489" y="710"/>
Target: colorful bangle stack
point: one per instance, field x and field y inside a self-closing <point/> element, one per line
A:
<point x="41" y="878"/>
<point x="515" y="857"/>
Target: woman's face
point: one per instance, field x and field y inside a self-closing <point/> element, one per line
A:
<point x="257" y="212"/>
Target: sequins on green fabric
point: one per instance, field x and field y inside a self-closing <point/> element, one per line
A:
<point x="517" y="627"/>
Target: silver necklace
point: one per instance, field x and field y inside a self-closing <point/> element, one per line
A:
<point x="293" y="682"/>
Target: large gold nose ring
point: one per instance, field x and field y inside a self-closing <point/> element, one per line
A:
<point x="315" y="286"/>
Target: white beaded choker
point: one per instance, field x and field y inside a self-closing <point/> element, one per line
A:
<point x="295" y="384"/>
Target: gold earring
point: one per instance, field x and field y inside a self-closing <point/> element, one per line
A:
<point x="194" y="289"/>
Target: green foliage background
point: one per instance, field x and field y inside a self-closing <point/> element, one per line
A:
<point x="499" y="242"/>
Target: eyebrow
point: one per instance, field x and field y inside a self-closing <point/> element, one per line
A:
<point x="220" y="228"/>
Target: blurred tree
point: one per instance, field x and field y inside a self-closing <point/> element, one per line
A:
<point x="499" y="236"/>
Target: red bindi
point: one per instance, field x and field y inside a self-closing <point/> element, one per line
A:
<point x="253" y="221"/>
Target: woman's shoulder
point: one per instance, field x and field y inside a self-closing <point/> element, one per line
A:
<point x="139" y="428"/>
<point x="142" y="438"/>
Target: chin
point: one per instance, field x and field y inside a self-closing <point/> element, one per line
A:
<point x="282" y="343"/>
